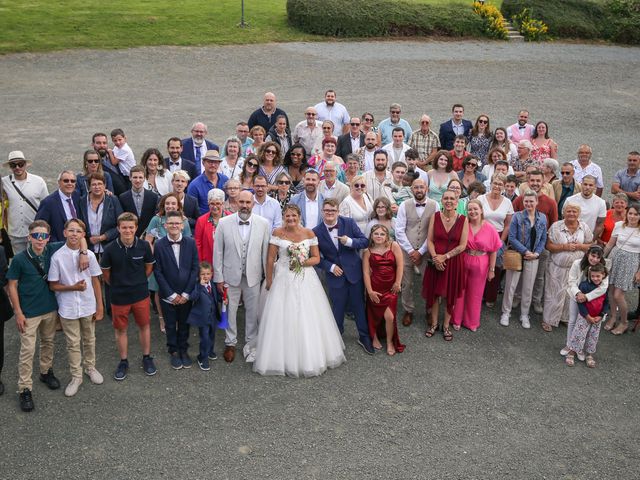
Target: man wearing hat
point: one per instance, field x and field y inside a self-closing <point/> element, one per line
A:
<point x="23" y="193"/>
<point x="209" y="179"/>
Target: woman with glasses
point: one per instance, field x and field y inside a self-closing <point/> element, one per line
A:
<point x="249" y="172"/>
<point x="285" y="190"/>
<point x="470" y="174"/>
<point x="367" y="125"/>
<point x="157" y="179"/>
<point x="295" y="163"/>
<point x="480" y="138"/>
<point x="543" y="146"/>
<point x="351" y="170"/>
<point x="206" y="225"/>
<point x="270" y="163"/>
<point x="357" y="205"/>
<point x="440" y="175"/>
<point x="91" y="164"/>
<point x="382" y="215"/>
<point x="232" y="188"/>
<point x="455" y="186"/>
<point x="317" y="162"/>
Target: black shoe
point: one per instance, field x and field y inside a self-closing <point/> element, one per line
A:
<point x="366" y="345"/>
<point x="26" y="401"/>
<point x="50" y="379"/>
<point x="633" y="315"/>
<point x="1" y="387"/>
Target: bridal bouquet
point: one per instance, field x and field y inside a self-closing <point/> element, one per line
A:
<point x="298" y="254"/>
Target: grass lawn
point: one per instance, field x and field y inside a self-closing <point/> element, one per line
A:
<point x="43" y="25"/>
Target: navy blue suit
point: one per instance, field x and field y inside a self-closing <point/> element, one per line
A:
<point x="204" y="315"/>
<point x="191" y="210"/>
<point x="111" y="210"/>
<point x="51" y="211"/>
<point x="447" y="135"/>
<point x="187" y="165"/>
<point x="149" y="208"/>
<point x="174" y="278"/>
<point x="346" y="290"/>
<point x="187" y="151"/>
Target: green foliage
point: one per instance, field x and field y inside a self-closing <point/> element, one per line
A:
<point x="495" y="25"/>
<point x="531" y="29"/>
<point x="624" y="21"/>
<point x="377" y="18"/>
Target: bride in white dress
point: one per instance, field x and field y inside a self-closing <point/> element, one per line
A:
<point x="297" y="335"/>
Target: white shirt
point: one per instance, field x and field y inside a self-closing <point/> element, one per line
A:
<point x="628" y="238"/>
<point x="367" y="159"/>
<point x="310" y="138"/>
<point x="174" y="167"/>
<point x="401" y="226"/>
<point x="498" y="216"/>
<point x="376" y="188"/>
<point x="395" y="155"/>
<point x="229" y="171"/>
<point x="270" y="210"/>
<point x="355" y="143"/>
<point x="337" y="113"/>
<point x="126" y="157"/>
<point x="95" y="222"/>
<point x="311" y="211"/>
<point x="176" y="254"/>
<point x="458" y="128"/>
<point x="338" y="190"/>
<point x="591" y="209"/>
<point x="19" y="213"/>
<point x="244" y="229"/>
<point x="591" y="169"/>
<point x="67" y="209"/>
<point x="64" y="269"/>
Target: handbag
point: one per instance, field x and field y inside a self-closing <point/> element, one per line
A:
<point x="512" y="259"/>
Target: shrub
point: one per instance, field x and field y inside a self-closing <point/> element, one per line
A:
<point x="376" y="18"/>
<point x="530" y="28"/>
<point x="495" y="25"/>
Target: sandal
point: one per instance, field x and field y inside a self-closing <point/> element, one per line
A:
<point x="431" y="331"/>
<point x="570" y="360"/>
<point x="620" y="329"/>
<point x="590" y="361"/>
<point x="456" y="327"/>
<point x="609" y="325"/>
<point x="391" y="351"/>
<point x="546" y="327"/>
<point x="447" y="335"/>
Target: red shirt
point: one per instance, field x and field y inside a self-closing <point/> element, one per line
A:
<point x="457" y="161"/>
<point x="546" y="205"/>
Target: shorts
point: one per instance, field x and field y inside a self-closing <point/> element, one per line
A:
<point x="141" y="313"/>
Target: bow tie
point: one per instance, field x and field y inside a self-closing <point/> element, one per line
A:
<point x="331" y="229"/>
<point x="175" y="243"/>
<point x="244" y="223"/>
<point x="522" y="127"/>
<point x="421" y="204"/>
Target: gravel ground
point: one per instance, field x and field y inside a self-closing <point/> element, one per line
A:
<point x="498" y="403"/>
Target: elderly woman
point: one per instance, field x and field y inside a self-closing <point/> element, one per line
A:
<point x="285" y="190"/>
<point x="528" y="236"/>
<point x="318" y="161"/>
<point x="295" y="163"/>
<point x="207" y="223"/>
<point x="382" y="215"/>
<point x="357" y="205"/>
<point x="157" y="178"/>
<point x="91" y="164"/>
<point x="550" y="170"/>
<point x="232" y="162"/>
<point x="351" y="169"/>
<point x="567" y="240"/>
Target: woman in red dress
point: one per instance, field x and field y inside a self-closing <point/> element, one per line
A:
<point x="382" y="265"/>
<point x="445" y="276"/>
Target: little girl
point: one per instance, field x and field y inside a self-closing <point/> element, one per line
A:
<point x="585" y="333"/>
<point x="204" y="314"/>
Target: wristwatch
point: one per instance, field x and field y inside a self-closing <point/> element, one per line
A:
<point x="83" y="252"/>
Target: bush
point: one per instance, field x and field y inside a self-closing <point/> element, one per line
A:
<point x="377" y="18"/>
<point x="623" y="25"/>
<point x="531" y="29"/>
<point x="495" y="25"/>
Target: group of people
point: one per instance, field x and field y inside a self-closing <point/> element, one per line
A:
<point x="303" y="225"/>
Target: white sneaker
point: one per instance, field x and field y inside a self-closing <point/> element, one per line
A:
<point x="565" y="351"/>
<point x="524" y="319"/>
<point x="95" y="376"/>
<point x="580" y="356"/>
<point x="537" y="308"/>
<point x="73" y="386"/>
<point x="504" y="319"/>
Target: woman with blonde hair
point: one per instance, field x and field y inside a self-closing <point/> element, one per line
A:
<point x="357" y="205"/>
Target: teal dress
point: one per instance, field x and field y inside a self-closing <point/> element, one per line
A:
<point x="157" y="231"/>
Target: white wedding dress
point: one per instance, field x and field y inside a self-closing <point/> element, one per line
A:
<point x="297" y="335"/>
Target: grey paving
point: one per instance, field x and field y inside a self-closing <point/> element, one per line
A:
<point x="495" y="404"/>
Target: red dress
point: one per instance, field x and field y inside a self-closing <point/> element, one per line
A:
<point x="383" y="275"/>
<point x="450" y="283"/>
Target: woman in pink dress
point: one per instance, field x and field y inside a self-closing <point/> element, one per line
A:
<point x="543" y="146"/>
<point x="445" y="276"/>
<point x="382" y="265"/>
<point x="480" y="264"/>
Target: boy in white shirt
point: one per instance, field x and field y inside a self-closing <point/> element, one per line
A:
<point x="122" y="151"/>
<point x="80" y="305"/>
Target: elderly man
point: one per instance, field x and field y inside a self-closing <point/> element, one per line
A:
<point x="397" y="148"/>
<point x="209" y="179"/>
<point x="521" y="130"/>
<point x="330" y="187"/>
<point x="425" y="141"/>
<point x="60" y="206"/>
<point x="334" y="111"/>
<point x="627" y="180"/>
<point x="266" y="115"/>
<point x="352" y="141"/>
<point x="593" y="209"/>
<point x="453" y="127"/>
<point x="524" y="159"/>
<point x="565" y="187"/>
<point x="388" y="125"/>
<point x="194" y="147"/>
<point x="308" y="132"/>
<point x="23" y="192"/>
<point x="584" y="166"/>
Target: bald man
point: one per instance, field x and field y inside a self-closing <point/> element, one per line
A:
<point x="266" y="115"/>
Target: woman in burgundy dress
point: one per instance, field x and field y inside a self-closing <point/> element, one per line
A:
<point x="382" y="265"/>
<point x="445" y="276"/>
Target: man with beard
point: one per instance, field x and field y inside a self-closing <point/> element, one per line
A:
<point x="175" y="162"/>
<point x="239" y="258"/>
<point x="367" y="152"/>
<point x="379" y="179"/>
<point x="100" y="144"/>
<point x="412" y="223"/>
<point x="521" y="130"/>
<point x="309" y="201"/>
<point x="195" y="147"/>
<point x="334" y="111"/>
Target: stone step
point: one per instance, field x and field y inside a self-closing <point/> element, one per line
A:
<point x="513" y="35"/>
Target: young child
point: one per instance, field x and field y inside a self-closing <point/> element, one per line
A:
<point x="122" y="151"/>
<point x="204" y="314"/>
<point x="585" y="333"/>
<point x="511" y="187"/>
<point x="404" y="192"/>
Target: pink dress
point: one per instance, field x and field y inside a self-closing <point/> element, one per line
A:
<point x="541" y="153"/>
<point x="467" y="309"/>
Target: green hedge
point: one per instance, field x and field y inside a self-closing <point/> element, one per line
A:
<point x="377" y="18"/>
<point x="616" y="20"/>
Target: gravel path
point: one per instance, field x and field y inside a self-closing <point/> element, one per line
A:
<point x="495" y="404"/>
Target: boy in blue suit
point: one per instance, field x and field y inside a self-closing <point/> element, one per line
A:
<point x="204" y="314"/>
<point x="176" y="272"/>
<point x="339" y="240"/>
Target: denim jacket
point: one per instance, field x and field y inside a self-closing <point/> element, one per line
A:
<point x="520" y="229"/>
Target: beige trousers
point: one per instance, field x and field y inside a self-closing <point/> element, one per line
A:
<point x="408" y="277"/>
<point x="555" y="294"/>
<point x="46" y="325"/>
<point x="76" y="331"/>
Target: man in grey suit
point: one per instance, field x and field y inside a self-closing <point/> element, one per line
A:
<point x="239" y="261"/>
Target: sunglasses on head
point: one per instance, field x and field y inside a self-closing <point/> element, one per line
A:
<point x="39" y="235"/>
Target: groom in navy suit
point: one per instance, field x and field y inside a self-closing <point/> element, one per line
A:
<point x="339" y="240"/>
<point x="176" y="270"/>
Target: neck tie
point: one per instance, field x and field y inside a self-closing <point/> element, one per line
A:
<point x="208" y="289"/>
<point x="138" y="202"/>
<point x="198" y="155"/>
<point x="72" y="209"/>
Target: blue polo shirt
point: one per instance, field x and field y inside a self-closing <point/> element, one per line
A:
<point x="628" y="183"/>
<point x="200" y="187"/>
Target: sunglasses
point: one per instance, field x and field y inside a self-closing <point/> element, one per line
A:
<point x="472" y="164"/>
<point x="565" y="173"/>
<point x="284" y="182"/>
<point x="68" y="180"/>
<point x="93" y="161"/>
<point x="483" y="121"/>
<point x="359" y="185"/>
<point x="368" y="119"/>
<point x="326" y="128"/>
<point x="310" y="114"/>
<point x="39" y="235"/>
<point x="252" y="165"/>
<point x="395" y="111"/>
<point x="425" y="123"/>
<point x="17" y="164"/>
<point x="353" y="124"/>
<point x="271" y="152"/>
